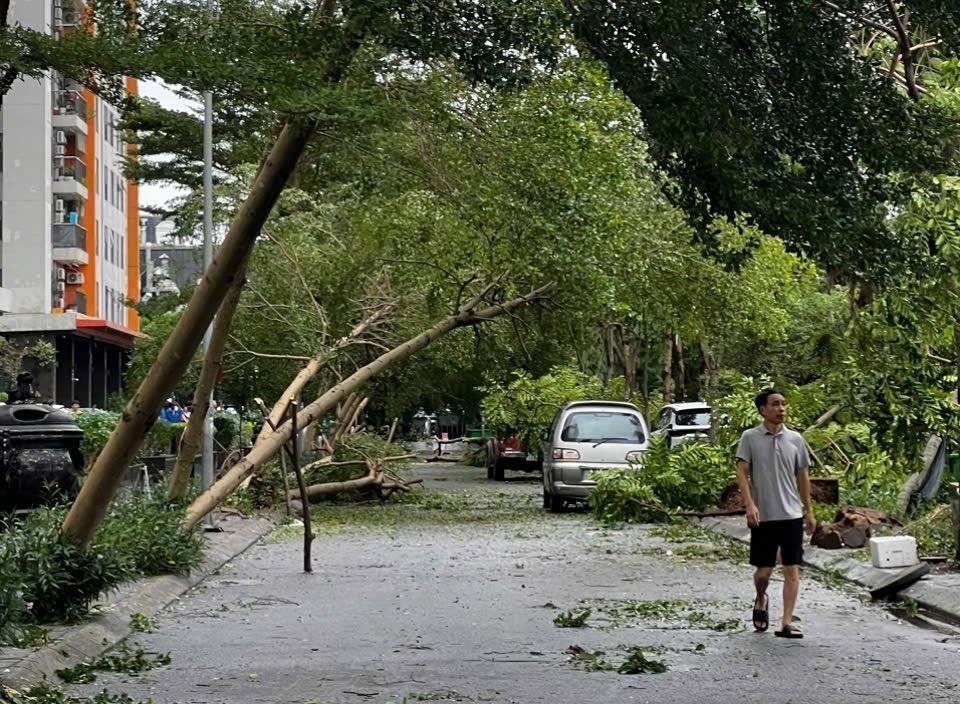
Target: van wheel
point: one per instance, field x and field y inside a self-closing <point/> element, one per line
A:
<point x="554" y="504"/>
<point x="497" y="472"/>
<point x="546" y="498"/>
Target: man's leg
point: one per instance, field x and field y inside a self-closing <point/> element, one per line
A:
<point x="791" y="586"/>
<point x="761" y="580"/>
<point x="791" y="550"/>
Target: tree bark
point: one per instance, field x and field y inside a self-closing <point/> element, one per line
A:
<point x="212" y="365"/>
<point x="709" y="368"/>
<point x="680" y="390"/>
<point x="667" y="374"/>
<point x="265" y="449"/>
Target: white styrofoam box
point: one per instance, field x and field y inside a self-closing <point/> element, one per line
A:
<point x="894" y="551"/>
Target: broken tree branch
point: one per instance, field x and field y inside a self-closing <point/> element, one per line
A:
<point x="266" y="448"/>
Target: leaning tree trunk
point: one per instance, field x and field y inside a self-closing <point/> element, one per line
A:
<point x="209" y="372"/>
<point x="667" y="374"/>
<point x="269" y="446"/>
<point x="141" y="412"/>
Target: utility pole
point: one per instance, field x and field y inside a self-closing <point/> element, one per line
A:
<point x="206" y="450"/>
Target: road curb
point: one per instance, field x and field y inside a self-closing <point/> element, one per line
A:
<point x="937" y="593"/>
<point x="72" y="645"/>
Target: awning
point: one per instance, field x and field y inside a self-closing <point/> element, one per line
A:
<point x="107" y="331"/>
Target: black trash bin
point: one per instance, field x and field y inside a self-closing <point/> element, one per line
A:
<point x="40" y="459"/>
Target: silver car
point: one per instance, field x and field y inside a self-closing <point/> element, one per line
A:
<point x="587" y="436"/>
<point x="683" y="422"/>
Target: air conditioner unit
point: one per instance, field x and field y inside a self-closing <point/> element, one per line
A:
<point x="61" y="274"/>
<point x="58" y="14"/>
<point x="58" y="301"/>
<point x="61" y="137"/>
<point x="59" y="205"/>
<point x="74" y="278"/>
<point x="60" y="150"/>
<point x="60" y="288"/>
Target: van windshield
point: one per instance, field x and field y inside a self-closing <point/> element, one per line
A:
<point x="600" y="426"/>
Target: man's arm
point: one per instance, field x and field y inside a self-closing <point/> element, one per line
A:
<point x="743" y="481"/>
<point x="803" y="486"/>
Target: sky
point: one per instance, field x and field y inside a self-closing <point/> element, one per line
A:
<point x="153" y="195"/>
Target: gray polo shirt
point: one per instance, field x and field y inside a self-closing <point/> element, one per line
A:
<point x="774" y="462"/>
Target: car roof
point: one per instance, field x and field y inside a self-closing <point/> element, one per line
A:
<point x="615" y="404"/>
<point x="687" y="405"/>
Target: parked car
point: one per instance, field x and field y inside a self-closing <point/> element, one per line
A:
<point x="508" y="455"/>
<point x="586" y="436"/>
<point x="683" y="422"/>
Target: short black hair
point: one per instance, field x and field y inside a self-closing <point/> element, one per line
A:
<point x="761" y="399"/>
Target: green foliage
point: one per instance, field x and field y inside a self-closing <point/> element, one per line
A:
<point x="97" y="426"/>
<point x="139" y="623"/>
<point x="527" y="405"/>
<point x="46" y="578"/>
<point x="51" y="694"/>
<point x="689" y="478"/>
<point x="226" y="429"/>
<point x="150" y="535"/>
<point x="126" y="661"/>
<point x="575" y="618"/>
<point x="814" y="165"/>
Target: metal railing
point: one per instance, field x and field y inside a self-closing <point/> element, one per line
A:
<point x="69" y="235"/>
<point x="71" y="102"/>
<point x="69" y="167"/>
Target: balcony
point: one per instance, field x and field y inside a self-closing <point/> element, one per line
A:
<point x="79" y="303"/>
<point x="70" y="244"/>
<point x="69" y="178"/>
<point x="70" y="112"/>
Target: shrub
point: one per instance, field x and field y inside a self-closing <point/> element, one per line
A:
<point x="53" y="579"/>
<point x="97" y="425"/>
<point x="226" y="429"/>
<point x="149" y="534"/>
<point x="688" y="478"/>
<point x="47" y="578"/>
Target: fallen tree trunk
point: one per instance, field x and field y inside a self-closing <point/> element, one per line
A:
<point x="262" y="451"/>
<point x="209" y="372"/>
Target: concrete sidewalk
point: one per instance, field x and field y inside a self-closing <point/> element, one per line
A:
<point x="110" y="620"/>
<point x="937" y="593"/>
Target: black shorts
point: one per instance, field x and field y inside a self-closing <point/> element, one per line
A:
<point x="769" y="536"/>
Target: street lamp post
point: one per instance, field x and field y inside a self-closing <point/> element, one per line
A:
<point x="206" y="452"/>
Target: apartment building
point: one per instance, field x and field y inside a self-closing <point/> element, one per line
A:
<point x="69" y="257"/>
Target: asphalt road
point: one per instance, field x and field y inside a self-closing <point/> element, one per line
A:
<point x="455" y="600"/>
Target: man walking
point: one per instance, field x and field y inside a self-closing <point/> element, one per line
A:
<point x="772" y="463"/>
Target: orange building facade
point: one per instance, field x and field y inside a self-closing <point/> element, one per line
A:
<point x="69" y="257"/>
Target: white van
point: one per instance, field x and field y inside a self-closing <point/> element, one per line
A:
<point x="586" y="436"/>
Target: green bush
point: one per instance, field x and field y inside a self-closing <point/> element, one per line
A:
<point x="526" y="405"/>
<point x="687" y="478"/>
<point x="97" y="425"/>
<point x="226" y="429"/>
<point x="150" y="536"/>
<point x="50" y="577"/>
<point x="46" y="578"/>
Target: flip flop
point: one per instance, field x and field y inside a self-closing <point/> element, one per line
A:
<point x="761" y="619"/>
<point x="789" y="631"/>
